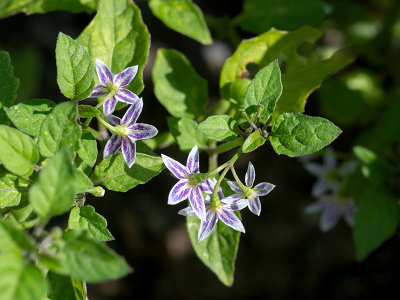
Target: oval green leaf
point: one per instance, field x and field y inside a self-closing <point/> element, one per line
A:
<point x="219" y="127"/>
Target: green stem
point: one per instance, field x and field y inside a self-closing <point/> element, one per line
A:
<point x="87" y="122"/>
<point x="105" y="124"/>
<point x="214" y="198"/>
<point x="227" y="146"/>
<point x="242" y="186"/>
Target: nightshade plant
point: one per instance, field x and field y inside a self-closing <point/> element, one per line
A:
<point x="49" y="152"/>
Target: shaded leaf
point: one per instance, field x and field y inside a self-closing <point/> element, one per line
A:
<point x="177" y="85"/>
<point x="29" y="116"/>
<point x="60" y="129"/>
<point x="183" y="16"/>
<point x="88" y="150"/>
<point x="85" y="218"/>
<point x="186" y="134"/>
<point x="294" y="134"/>
<point x="11" y="188"/>
<point x="115" y="175"/>
<point x="8" y="83"/>
<point x="18" y="151"/>
<point x="253" y="141"/>
<point x="219" y="127"/>
<point x="65" y="288"/>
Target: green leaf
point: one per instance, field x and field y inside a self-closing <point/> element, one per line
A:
<point x="75" y="68"/>
<point x="265" y="89"/>
<point x="29" y="116"/>
<point x="115" y="175"/>
<point x="82" y="182"/>
<point x="294" y="134"/>
<point x="8" y="83"/>
<point x="185" y="133"/>
<point x="376" y="220"/>
<point x="177" y="85"/>
<point x="18" y="152"/>
<point x="11" y="7"/>
<point x="303" y="73"/>
<point x="87" y="111"/>
<point x="65" y="288"/>
<point x="11" y="189"/>
<point x="182" y="16"/>
<point x="19" y="280"/>
<point x="54" y="192"/>
<point x="218" y="252"/>
<point x="85" y="259"/>
<point x="118" y="36"/>
<point x="60" y="129"/>
<point x="219" y="127"/>
<point x="261" y="15"/>
<point x="253" y="141"/>
<point x="88" y="151"/>
<point x="85" y="218"/>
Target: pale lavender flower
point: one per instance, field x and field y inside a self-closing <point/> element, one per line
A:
<point x="112" y="86"/>
<point x="187" y="187"/>
<point x="222" y="210"/>
<point x="250" y="195"/>
<point x="329" y="173"/>
<point x="127" y="132"/>
<point x="332" y="209"/>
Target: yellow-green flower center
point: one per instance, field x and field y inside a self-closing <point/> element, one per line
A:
<point x="112" y="88"/>
<point x="121" y="130"/>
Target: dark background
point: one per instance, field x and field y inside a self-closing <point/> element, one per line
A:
<point x="283" y="254"/>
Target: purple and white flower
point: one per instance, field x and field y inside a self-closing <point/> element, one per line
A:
<point x="329" y="173"/>
<point x="187" y="187"/>
<point x="219" y="210"/>
<point x="112" y="86"/>
<point x="332" y="209"/>
<point x="127" y="132"/>
<point x="248" y="194"/>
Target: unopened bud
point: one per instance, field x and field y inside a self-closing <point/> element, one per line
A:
<point x="97" y="191"/>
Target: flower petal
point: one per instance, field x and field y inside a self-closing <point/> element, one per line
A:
<point x="193" y="160"/>
<point x="250" y="175"/>
<point x="112" y="146"/>
<point x="99" y="91"/>
<point x="330" y="216"/>
<point x="129" y="151"/>
<point x="330" y="160"/>
<point x="126" y="96"/>
<point x="113" y="120"/>
<point x="141" y="131"/>
<point x="179" y="192"/>
<point x="197" y="202"/>
<point x="175" y="167"/>
<point x="235" y="203"/>
<point x="229" y="218"/>
<point x="103" y="72"/>
<point x="319" y="188"/>
<point x="314" y="207"/>
<point x="255" y="206"/>
<point x="263" y="188"/>
<point x="188" y="211"/>
<point x="234" y="186"/>
<point x="133" y="113"/>
<point x="207" y="185"/>
<point x="109" y="106"/>
<point x="207" y="226"/>
<point x="126" y="76"/>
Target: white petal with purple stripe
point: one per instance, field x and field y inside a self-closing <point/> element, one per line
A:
<point x="112" y="146"/>
<point x="129" y="151"/>
<point x="179" y="192"/>
<point x="109" y="106"/>
<point x="132" y="114"/>
<point x="126" y="96"/>
<point x="263" y="188"/>
<point x="250" y="175"/>
<point x="104" y="73"/>
<point x="234" y="186"/>
<point x="207" y="226"/>
<point x="230" y="219"/>
<point x="126" y="76"/>
<point x="141" y="131"/>
<point x="255" y="206"/>
<point x="193" y="160"/>
<point x="99" y="91"/>
<point x="175" y="167"/>
<point x="197" y="203"/>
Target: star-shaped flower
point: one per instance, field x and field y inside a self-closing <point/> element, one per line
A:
<point x="187" y="186"/>
<point x="248" y="193"/>
<point x="127" y="132"/>
<point x="332" y="208"/>
<point x="220" y="210"/>
<point x="111" y="86"/>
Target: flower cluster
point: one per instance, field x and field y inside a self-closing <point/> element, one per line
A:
<point x="125" y="131"/>
<point x="331" y="204"/>
<point x="206" y="200"/>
